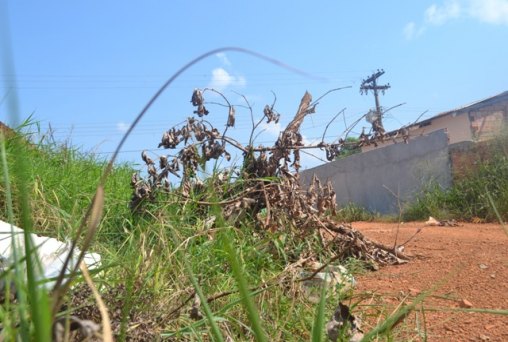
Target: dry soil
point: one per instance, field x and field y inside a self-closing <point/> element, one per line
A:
<point x="462" y="267"/>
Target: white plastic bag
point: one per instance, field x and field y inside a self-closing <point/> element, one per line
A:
<point x="51" y="252"/>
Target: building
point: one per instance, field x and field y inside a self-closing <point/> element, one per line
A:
<point x="478" y="121"/>
<point x="438" y="151"/>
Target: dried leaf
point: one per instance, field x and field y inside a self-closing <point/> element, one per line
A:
<point x="231" y="117"/>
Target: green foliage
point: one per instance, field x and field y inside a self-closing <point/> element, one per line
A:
<point x="155" y="262"/>
<point x="468" y="198"/>
<point x="33" y="310"/>
<point x="61" y="182"/>
<point x="353" y="212"/>
<point x="350" y="147"/>
<point x="319" y="317"/>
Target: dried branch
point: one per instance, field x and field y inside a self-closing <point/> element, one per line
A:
<point x="268" y="188"/>
<point x="315" y="103"/>
<point x="330" y="122"/>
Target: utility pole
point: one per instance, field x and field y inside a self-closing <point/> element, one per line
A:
<point x="375" y="118"/>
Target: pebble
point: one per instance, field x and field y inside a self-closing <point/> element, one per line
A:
<point x="414" y="292"/>
<point x="466" y="304"/>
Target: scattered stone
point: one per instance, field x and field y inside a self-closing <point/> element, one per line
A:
<point x="483" y="266"/>
<point x="466" y="304"/>
<point x="414" y="292"/>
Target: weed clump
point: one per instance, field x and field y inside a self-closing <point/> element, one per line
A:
<point x="266" y="188"/>
<point x="468" y="198"/>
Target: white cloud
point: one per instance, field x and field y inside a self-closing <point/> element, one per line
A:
<point x="493" y="12"/>
<point x="438" y="15"/>
<point x="122" y="126"/>
<point x="411" y="31"/>
<point x="489" y="11"/>
<point x="222" y="79"/>
<point x="223" y="58"/>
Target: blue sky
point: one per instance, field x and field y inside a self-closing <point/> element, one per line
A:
<point x="88" y="67"/>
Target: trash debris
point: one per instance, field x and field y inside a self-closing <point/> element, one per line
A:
<point x="86" y="328"/>
<point x="51" y="252"/>
<point x="445" y="223"/>
<point x="432" y="222"/>
<point x="334" y="277"/>
<point x="194" y="312"/>
<point x="344" y="325"/>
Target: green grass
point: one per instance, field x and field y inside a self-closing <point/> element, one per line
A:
<point x="478" y="194"/>
<point x="156" y="263"/>
<point x="153" y="262"/>
<point x="353" y="212"/>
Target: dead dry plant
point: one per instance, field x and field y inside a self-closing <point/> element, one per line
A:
<point x="267" y="187"/>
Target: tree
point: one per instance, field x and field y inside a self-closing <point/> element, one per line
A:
<point x="350" y="147"/>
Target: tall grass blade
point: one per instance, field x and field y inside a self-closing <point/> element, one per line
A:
<point x="494" y="207"/>
<point x="91" y="221"/>
<point x="404" y="310"/>
<point x="212" y="321"/>
<point x="18" y="270"/>
<point x="319" y="318"/>
<point x="248" y="303"/>
<point x="107" y="335"/>
<point x="37" y="297"/>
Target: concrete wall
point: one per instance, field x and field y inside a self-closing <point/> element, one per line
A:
<point x="376" y="178"/>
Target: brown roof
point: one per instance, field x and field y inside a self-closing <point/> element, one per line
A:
<point x="469" y="107"/>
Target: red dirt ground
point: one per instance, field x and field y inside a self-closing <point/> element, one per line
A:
<point x="471" y="262"/>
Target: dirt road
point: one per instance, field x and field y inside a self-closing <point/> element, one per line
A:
<point x="467" y="265"/>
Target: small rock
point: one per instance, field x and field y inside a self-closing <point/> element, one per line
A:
<point x="484" y="337"/>
<point x="490" y="326"/>
<point x="483" y="266"/>
<point x="493" y="276"/>
<point x="466" y="304"/>
<point x="414" y="292"/>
